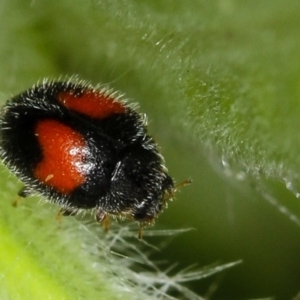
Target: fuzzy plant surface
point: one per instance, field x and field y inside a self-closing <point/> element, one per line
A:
<point x="219" y="81"/>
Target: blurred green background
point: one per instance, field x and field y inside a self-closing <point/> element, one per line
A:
<point x="219" y="81"/>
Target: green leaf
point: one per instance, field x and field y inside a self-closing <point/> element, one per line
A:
<point x="218" y="79"/>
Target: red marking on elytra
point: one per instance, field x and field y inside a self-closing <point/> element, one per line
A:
<point x="64" y="151"/>
<point x="91" y="103"/>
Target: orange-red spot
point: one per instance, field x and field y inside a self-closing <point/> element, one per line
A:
<point x="64" y="151"/>
<point x="91" y="103"/>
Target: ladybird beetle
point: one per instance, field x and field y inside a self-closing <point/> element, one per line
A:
<point x="84" y="148"/>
